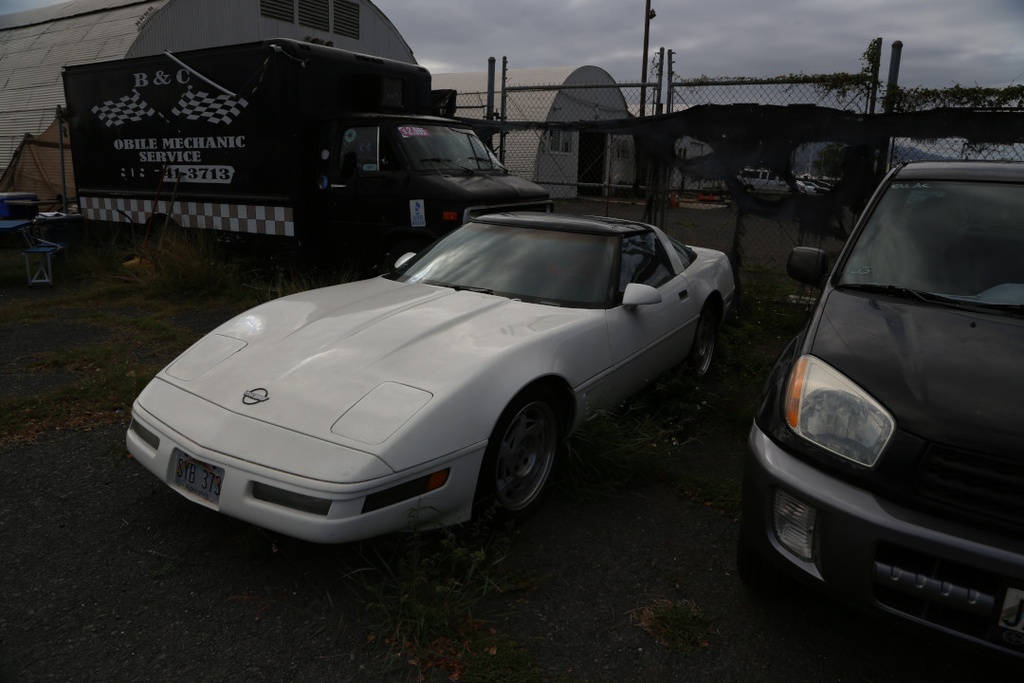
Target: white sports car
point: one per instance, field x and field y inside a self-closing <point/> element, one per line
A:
<point x="416" y="397"/>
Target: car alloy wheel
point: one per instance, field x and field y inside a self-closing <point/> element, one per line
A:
<point x="521" y="454"/>
<point x="703" y="342"/>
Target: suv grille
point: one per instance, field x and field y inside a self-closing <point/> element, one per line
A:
<point x="974" y="482"/>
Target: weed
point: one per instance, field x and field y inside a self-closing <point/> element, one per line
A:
<point x="679" y="625"/>
<point x="613" y="451"/>
<point x="421" y="591"/>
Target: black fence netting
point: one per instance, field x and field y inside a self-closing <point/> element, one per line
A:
<point x="750" y="166"/>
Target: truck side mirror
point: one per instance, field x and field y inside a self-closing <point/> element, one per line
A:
<point x="807" y="265"/>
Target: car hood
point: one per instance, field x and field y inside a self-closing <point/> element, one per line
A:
<point x="359" y="363"/>
<point x="947" y="375"/>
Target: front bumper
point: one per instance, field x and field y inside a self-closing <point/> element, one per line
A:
<point x="311" y="508"/>
<point x="870" y="552"/>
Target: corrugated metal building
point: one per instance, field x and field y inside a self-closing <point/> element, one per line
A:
<point x="35" y="45"/>
<point x="562" y="161"/>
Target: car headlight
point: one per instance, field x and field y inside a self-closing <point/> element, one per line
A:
<point x="829" y="410"/>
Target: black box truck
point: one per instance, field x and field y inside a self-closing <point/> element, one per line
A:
<point x="334" y="152"/>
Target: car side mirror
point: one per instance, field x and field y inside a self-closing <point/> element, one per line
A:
<point x="403" y="259"/>
<point x="807" y="265"/>
<point x="637" y="294"/>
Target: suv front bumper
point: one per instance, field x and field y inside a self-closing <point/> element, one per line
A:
<point x="873" y="553"/>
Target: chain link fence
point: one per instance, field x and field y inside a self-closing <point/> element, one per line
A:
<point x="777" y="195"/>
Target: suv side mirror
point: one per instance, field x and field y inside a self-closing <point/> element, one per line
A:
<point x="807" y="265"/>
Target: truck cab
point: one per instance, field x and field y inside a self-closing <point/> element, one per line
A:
<point x="393" y="184"/>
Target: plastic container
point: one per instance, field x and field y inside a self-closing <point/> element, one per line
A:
<point x="14" y="210"/>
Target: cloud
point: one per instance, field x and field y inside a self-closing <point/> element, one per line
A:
<point x="945" y="41"/>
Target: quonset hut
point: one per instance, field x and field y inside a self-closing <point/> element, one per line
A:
<point x="565" y="162"/>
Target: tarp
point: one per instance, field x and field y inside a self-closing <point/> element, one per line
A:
<point x="36" y="168"/>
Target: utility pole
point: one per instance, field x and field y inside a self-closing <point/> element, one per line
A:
<point x="648" y="15"/>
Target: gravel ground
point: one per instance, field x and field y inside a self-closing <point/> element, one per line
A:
<point x="107" y="575"/>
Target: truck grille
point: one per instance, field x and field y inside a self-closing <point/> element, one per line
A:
<point x="975" y="483"/>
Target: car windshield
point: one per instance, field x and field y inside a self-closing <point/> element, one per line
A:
<point x="542" y="266"/>
<point x="944" y="241"/>
<point x="439" y="147"/>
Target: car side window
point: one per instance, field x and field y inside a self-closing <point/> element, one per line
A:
<point x="686" y="254"/>
<point x="643" y="261"/>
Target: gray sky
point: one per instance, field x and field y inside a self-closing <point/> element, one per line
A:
<point x="945" y="42"/>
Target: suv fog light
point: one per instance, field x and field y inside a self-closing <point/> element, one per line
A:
<point x="793" y="521"/>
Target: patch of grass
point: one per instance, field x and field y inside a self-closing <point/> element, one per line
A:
<point x="421" y="591"/>
<point x="679" y="625"/>
<point x="181" y="263"/>
<point x="719" y="494"/>
<point x="100" y="394"/>
<point x="614" y="451"/>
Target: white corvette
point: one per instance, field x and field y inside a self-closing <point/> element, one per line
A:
<point x="414" y="398"/>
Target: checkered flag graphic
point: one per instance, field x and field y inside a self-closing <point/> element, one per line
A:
<point x="128" y="108"/>
<point x="213" y="108"/>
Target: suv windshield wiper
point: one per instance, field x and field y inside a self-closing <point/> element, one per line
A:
<point x="934" y="298"/>
<point x="893" y="290"/>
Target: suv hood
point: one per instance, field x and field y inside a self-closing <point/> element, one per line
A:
<point x="947" y="375"/>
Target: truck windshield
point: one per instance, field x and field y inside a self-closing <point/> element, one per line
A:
<point x="961" y="240"/>
<point x="440" y="147"/>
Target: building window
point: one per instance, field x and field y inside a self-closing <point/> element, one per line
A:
<point x="314" y="14"/>
<point x="278" y="9"/>
<point x="560" y="141"/>
<point x="346" y="19"/>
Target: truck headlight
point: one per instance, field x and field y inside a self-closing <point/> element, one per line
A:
<point x="829" y="410"/>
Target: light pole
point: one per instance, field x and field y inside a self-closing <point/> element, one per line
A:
<point x="648" y="15"/>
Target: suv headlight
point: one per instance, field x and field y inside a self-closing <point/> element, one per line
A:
<point x="829" y="410"/>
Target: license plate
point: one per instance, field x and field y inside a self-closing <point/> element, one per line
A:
<point x="198" y="477"/>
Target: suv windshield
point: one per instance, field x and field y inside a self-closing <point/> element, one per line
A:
<point x="439" y="147"/>
<point x="961" y="240"/>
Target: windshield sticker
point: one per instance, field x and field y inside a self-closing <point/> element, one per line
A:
<point x="910" y="186"/>
<point x="413" y="132"/>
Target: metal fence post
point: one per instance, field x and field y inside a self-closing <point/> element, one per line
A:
<point x="891" y="92"/>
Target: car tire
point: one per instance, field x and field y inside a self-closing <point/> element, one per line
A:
<point x="520" y="457"/>
<point x="703" y="350"/>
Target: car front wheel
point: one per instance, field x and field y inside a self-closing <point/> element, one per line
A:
<point x="520" y="455"/>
